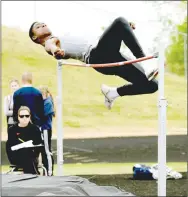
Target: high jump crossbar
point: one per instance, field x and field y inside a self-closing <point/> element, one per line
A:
<point x="162" y="104"/>
<point x="110" y="64"/>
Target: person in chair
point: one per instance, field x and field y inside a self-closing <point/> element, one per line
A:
<point x="24" y="131"/>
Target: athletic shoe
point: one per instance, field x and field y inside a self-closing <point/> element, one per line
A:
<point x="108" y="101"/>
<point x="170" y="174"/>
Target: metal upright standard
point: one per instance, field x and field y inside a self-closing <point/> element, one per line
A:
<point x="162" y="127"/>
<point x="59" y="120"/>
<point x="162" y="104"/>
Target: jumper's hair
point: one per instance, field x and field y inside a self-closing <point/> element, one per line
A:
<point x="31" y="34"/>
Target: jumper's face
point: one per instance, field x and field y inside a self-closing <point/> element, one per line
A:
<point x="40" y="29"/>
<point x="24" y="117"/>
<point x="14" y="86"/>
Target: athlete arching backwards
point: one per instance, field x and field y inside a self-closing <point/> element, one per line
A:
<point x="107" y="50"/>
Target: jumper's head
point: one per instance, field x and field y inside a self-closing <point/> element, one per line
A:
<point x="38" y="31"/>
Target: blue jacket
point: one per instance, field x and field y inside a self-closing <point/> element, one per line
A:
<point x="32" y="98"/>
<point x="48" y="114"/>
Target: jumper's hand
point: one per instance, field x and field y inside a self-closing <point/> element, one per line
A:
<point x="59" y="54"/>
<point x="132" y="25"/>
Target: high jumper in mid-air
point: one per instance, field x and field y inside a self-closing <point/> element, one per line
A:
<point x="107" y="50"/>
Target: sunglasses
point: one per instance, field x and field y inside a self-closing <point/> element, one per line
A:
<point x="22" y="116"/>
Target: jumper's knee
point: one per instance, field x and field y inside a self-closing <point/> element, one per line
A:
<point x="121" y="20"/>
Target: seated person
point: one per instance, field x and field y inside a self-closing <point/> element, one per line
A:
<point x="21" y="132"/>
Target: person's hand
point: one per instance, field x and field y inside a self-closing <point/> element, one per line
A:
<point x="132" y="25"/>
<point x="59" y="54"/>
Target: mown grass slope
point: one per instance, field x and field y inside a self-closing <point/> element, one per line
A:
<point x="82" y="99"/>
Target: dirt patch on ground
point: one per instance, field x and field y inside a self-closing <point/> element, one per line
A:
<point x="104" y="132"/>
<point x="80" y="133"/>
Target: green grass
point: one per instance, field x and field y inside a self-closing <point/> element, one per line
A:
<point x="106" y="168"/>
<point x="120" y="176"/>
<point x="82" y="99"/>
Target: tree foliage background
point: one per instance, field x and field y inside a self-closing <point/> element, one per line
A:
<point x="171" y="17"/>
<point x="175" y="51"/>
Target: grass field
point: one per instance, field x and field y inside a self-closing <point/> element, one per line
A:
<point x="105" y="168"/>
<point x="83" y="108"/>
<point x="141" y="188"/>
<point x="120" y="176"/>
<point x="82" y="99"/>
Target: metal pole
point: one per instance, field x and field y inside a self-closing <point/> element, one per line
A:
<point x="59" y="120"/>
<point x="162" y="126"/>
<point x="185" y="55"/>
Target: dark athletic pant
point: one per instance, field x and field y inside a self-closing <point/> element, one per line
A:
<point x="25" y="158"/>
<point x="108" y="51"/>
<point x="47" y="157"/>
